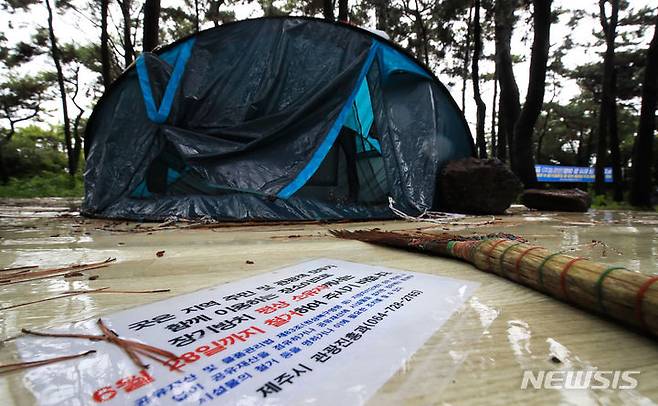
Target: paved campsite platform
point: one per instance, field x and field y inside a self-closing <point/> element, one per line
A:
<point x="479" y="356"/>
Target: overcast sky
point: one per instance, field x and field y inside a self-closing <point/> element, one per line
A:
<point x="75" y="28"/>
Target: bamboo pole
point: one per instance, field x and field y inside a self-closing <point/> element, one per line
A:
<point x="71" y="293"/>
<point x="26" y="275"/>
<point x="613" y="291"/>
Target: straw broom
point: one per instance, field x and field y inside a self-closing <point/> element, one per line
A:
<point x="613" y="291"/>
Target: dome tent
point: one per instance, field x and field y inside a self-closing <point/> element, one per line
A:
<point x="272" y="119"/>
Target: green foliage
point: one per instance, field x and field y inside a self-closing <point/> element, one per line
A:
<point x="177" y="23"/>
<point x="4" y="51"/>
<point x="569" y="135"/>
<point x="608" y="203"/>
<point x="565" y="132"/>
<point x="20" y="100"/>
<point x="23" y="52"/>
<point x="86" y="55"/>
<point x="46" y="184"/>
<point x="34" y="150"/>
<point x="180" y="20"/>
<point x="12" y="5"/>
<point x="218" y="16"/>
<point x="630" y="69"/>
<point x="24" y="90"/>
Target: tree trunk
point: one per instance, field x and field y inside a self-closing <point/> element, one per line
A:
<point x="77" y="148"/>
<point x="343" y="11"/>
<point x="494" y="150"/>
<point x="591" y="141"/>
<point x="509" y="107"/>
<point x="607" y="99"/>
<point x="196" y="15"/>
<point x="151" y="24"/>
<point x="4" y="176"/>
<point x="601" y="151"/>
<point x="4" y="140"/>
<point x="106" y="71"/>
<point x="547" y="119"/>
<point x="501" y="143"/>
<point x="542" y="134"/>
<point x="381" y="13"/>
<point x="328" y="9"/>
<point x="475" y="78"/>
<point x="467" y="49"/>
<point x="641" y="184"/>
<point x="524" y="163"/>
<point x="421" y="31"/>
<point x="128" y="47"/>
<point x="77" y="138"/>
<point x="214" y="13"/>
<point x="54" y="52"/>
<point x="613" y="132"/>
<point x="580" y="160"/>
<point x="268" y="8"/>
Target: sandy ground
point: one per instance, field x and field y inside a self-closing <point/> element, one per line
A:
<point x="477" y="358"/>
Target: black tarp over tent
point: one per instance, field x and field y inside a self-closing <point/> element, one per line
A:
<point x="271" y="118"/>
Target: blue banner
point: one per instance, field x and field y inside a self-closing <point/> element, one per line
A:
<point x="582" y="174"/>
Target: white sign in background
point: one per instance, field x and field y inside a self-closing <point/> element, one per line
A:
<point x="324" y="332"/>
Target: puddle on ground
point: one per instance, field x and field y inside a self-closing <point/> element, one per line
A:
<point x="625" y="238"/>
<point x="516" y="328"/>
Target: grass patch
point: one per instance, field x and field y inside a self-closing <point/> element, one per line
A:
<point x="46" y="184"/>
<point x="608" y="203"/>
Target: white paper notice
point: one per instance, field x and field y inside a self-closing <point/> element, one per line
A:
<point x="324" y="332"/>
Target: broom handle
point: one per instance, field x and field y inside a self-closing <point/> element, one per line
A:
<point x="613" y="291"/>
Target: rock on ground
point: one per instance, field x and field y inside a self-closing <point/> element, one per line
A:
<point x="477" y="186"/>
<point x="557" y="200"/>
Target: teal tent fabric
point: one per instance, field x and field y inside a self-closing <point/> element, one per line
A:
<point x="305" y="174"/>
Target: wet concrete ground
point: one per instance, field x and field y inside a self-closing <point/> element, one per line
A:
<point x="479" y="357"/>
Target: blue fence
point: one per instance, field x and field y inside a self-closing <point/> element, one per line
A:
<point x="581" y="174"/>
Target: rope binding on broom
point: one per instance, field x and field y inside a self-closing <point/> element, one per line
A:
<point x="450" y="246"/>
<point x="476" y="247"/>
<point x="563" y="276"/>
<point x="491" y="250"/>
<point x="639" y="298"/>
<point x="599" y="286"/>
<point x="540" y="270"/>
<point x="502" y="256"/>
<point x="517" y="264"/>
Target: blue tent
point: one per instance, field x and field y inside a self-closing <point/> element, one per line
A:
<point x="272" y="119"/>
